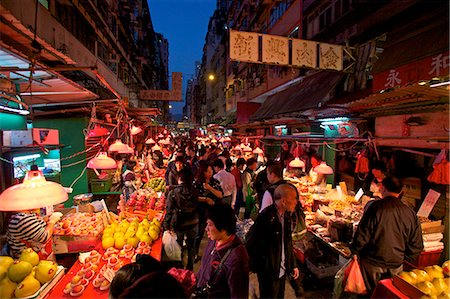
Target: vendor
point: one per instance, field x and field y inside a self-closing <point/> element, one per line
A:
<point x="28" y="229"/>
<point x="372" y="183"/>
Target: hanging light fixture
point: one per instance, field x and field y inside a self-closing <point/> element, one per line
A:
<point x="150" y="141"/>
<point x="247" y="149"/>
<point x="98" y="131"/>
<point x="323" y="168"/>
<point x="35" y="192"/>
<point x="156" y="148"/>
<point x="117" y="146"/>
<point x="127" y="150"/>
<point x="102" y="161"/>
<point x="160" y="136"/>
<point x="135" y="130"/>
<point x="258" y="151"/>
<point x="297" y="163"/>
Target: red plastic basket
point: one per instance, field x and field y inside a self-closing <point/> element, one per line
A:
<point x="428" y="258"/>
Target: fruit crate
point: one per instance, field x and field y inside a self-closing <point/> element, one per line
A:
<point x="323" y="272"/>
<point x="100" y="185"/>
<point x="428" y="259"/>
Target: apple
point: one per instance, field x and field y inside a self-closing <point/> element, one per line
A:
<point x="446" y="268"/>
<point x="434" y="272"/>
<point x="75" y="280"/>
<point x="421" y="275"/>
<point x="77" y="291"/>
<point x="426" y="287"/>
<point x="409" y="277"/>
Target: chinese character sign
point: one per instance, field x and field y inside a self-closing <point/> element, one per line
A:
<point x="275" y="49"/>
<point x="304" y="53"/>
<point x="244" y="46"/>
<point x="330" y="57"/>
<point x="165" y="95"/>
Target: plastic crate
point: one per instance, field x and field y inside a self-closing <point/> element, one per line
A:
<point x="100" y="185"/>
<point x="322" y="272"/>
<point x="428" y="258"/>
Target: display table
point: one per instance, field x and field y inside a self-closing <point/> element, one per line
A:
<point x="386" y="289"/>
<point x="91" y="292"/>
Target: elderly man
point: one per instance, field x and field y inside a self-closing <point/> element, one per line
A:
<point x="269" y="244"/>
<point x="388" y="233"/>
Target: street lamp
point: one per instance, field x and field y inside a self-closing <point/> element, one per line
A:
<point x="170" y="106"/>
<point x="211" y="77"/>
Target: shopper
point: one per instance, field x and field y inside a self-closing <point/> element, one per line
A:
<point x="128" y="274"/>
<point x="236" y="171"/>
<point x="227" y="182"/>
<point x="269" y="244"/>
<point x="248" y="177"/>
<point x="191" y="159"/>
<point x="182" y="214"/>
<point x="209" y="192"/>
<point x="224" y="265"/>
<point x="175" y="173"/>
<point x="275" y="178"/>
<point x="388" y="233"/>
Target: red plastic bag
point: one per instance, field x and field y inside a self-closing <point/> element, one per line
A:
<point x="354" y="280"/>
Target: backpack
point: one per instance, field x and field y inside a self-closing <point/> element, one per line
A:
<point x="185" y="206"/>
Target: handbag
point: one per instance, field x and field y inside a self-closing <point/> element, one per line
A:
<point x="203" y="291"/>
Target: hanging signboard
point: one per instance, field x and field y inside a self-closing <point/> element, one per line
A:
<point x="304" y="53"/>
<point x="330" y="57"/>
<point x="275" y="49"/>
<point x="165" y="95"/>
<point x="243" y="46"/>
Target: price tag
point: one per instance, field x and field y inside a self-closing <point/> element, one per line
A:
<point x="428" y="203"/>
<point x="339" y="191"/>
<point x="109" y="274"/>
<point x="329" y="187"/>
<point x="343" y="186"/>
<point x="359" y="194"/>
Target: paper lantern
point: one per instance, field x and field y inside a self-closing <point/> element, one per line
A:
<point x="150" y="141"/>
<point x="135" y="130"/>
<point x="323" y="168"/>
<point x="102" y="161"/>
<point x="258" y="151"/>
<point x="35" y="192"/>
<point x="297" y="163"/>
<point x="117" y="146"/>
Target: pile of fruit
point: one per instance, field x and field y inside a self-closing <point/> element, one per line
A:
<point x="119" y="234"/>
<point x="157" y="184"/>
<point x="25" y="276"/>
<point x="80" y="224"/>
<point x="144" y="199"/>
<point x="432" y="280"/>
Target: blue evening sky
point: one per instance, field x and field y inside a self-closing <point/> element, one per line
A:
<point x="184" y="23"/>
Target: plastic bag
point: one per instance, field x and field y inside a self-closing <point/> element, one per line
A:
<point x="339" y="280"/>
<point x="171" y="246"/>
<point x="355" y="281"/>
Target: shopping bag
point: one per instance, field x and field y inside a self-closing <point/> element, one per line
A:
<point x="249" y="201"/>
<point x="339" y="280"/>
<point x="354" y="279"/>
<point x="171" y="246"/>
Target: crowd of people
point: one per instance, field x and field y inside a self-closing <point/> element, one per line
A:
<point x="208" y="188"/>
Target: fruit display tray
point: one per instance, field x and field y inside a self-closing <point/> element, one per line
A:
<point x="46" y="287"/>
<point x="407" y="288"/>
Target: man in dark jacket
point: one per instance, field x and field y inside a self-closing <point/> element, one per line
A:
<point x="388" y="233"/>
<point x="182" y="214"/>
<point x="269" y="244"/>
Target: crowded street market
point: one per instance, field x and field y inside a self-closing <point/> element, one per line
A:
<point x="310" y="159"/>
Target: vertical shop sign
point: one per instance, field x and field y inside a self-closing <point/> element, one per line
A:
<point x="304" y="53"/>
<point x="275" y="49"/>
<point x="330" y="57"/>
<point x="165" y="95"/>
<point x="243" y="46"/>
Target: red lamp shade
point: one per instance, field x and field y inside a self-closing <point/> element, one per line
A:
<point x="98" y="131"/>
<point x="35" y="192"/>
<point x="297" y="163"/>
<point x="237" y="148"/>
<point x="135" y="130"/>
<point x="247" y="149"/>
<point x="117" y="146"/>
<point x="160" y="135"/>
<point x="258" y="151"/>
<point x="323" y="168"/>
<point x="102" y="161"/>
<point x="150" y="141"/>
<point x="227" y="139"/>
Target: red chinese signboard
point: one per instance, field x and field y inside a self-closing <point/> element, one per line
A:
<point x="165" y="95"/>
<point x="425" y="69"/>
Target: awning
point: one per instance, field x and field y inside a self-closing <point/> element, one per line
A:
<point x="310" y="92"/>
<point x="245" y="110"/>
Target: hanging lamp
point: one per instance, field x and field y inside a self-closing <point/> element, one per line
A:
<point x="323" y="168"/>
<point x="156" y="148"/>
<point x="297" y="163"/>
<point x="258" y="151"/>
<point x="117" y="146"/>
<point x="98" y="131"/>
<point x="135" y="130"/>
<point x="102" y="161"/>
<point x="150" y="141"/>
<point x="35" y="192"/>
<point x="127" y="150"/>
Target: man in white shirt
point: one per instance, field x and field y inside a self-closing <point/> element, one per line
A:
<point x="275" y="178"/>
<point x="227" y="182"/>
